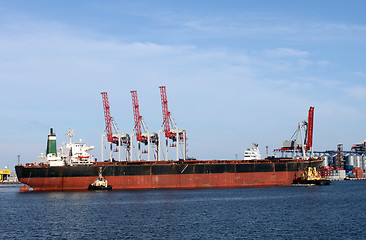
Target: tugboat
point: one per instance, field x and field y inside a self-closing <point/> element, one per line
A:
<point x="311" y="176"/>
<point x="100" y="183"/>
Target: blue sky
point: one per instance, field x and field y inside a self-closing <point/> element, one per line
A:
<point x="236" y="71"/>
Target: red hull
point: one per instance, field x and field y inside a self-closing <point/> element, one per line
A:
<point x="212" y="180"/>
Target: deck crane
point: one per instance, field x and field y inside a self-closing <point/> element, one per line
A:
<point x="304" y="137"/>
<point x="119" y="139"/>
<point x="149" y="139"/>
<point x="172" y="133"/>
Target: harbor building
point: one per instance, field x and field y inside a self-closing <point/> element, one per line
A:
<point x="4" y="174"/>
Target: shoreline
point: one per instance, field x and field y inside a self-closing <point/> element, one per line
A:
<point x="10" y="182"/>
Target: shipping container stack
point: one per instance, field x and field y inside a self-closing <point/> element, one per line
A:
<point x="358" y="172"/>
<point x="324" y="172"/>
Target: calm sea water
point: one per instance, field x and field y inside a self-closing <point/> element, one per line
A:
<point x="337" y="211"/>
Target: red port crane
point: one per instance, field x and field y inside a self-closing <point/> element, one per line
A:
<point x="309" y="138"/>
<point x="107" y="117"/>
<point x="137" y="117"/>
<point x="304" y="143"/>
<point x="145" y="137"/>
<point x="120" y="139"/>
<point x="166" y="113"/>
<point x="178" y="136"/>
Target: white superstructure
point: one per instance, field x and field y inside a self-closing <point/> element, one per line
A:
<point x="69" y="154"/>
<point x="252" y="153"/>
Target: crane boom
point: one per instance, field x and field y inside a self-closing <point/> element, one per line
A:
<point x="172" y="133"/>
<point x="107" y="116"/>
<point x="309" y="138"/>
<point x="137" y="116"/>
<point x="166" y="113"/>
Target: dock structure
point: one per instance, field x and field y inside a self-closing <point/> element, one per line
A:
<point x="4" y="174"/>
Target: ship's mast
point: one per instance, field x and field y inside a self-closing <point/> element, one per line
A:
<point x="70" y="133"/>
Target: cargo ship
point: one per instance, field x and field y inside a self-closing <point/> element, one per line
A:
<point x="71" y="168"/>
<point x="167" y="174"/>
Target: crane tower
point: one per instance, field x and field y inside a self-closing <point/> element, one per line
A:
<point x="149" y="140"/>
<point x="176" y="137"/>
<point x="118" y="139"/>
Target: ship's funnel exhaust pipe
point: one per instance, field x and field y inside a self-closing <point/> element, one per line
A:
<point x="51" y="143"/>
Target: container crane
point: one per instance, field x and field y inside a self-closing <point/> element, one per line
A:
<point x="119" y="139"/>
<point x="149" y="139"/>
<point x="309" y="134"/>
<point x="304" y="137"/>
<point x="176" y="136"/>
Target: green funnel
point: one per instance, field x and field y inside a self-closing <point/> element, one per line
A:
<point x="51" y="143"/>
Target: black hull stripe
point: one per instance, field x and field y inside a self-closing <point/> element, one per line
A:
<point x="168" y="169"/>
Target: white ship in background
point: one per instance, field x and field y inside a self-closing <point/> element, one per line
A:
<point x="68" y="154"/>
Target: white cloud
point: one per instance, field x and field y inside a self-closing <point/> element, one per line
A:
<point x="286" y="52"/>
<point x="357" y="92"/>
<point x="255" y="24"/>
<point x="360" y="74"/>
